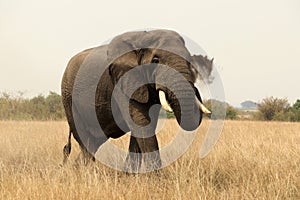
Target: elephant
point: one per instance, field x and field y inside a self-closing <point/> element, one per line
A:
<point x="164" y="77"/>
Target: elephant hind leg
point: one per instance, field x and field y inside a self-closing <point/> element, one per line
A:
<point x="89" y="148"/>
<point x="84" y="157"/>
<point x="67" y="148"/>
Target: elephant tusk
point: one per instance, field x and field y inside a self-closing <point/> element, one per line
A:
<point x="202" y="107"/>
<point x="164" y="102"/>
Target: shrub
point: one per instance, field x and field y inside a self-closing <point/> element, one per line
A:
<point x="273" y="108"/>
<point x="36" y="108"/>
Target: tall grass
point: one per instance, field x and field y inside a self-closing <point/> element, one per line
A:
<point x="252" y="160"/>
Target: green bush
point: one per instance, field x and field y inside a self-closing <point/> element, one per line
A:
<point x="36" y="108"/>
<point x="278" y="110"/>
<point x="231" y="113"/>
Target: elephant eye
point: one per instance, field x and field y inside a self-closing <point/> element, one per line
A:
<point x="155" y="59"/>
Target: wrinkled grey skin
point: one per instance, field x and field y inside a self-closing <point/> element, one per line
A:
<point x="123" y="53"/>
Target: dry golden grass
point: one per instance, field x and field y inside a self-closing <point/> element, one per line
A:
<point x="252" y="160"/>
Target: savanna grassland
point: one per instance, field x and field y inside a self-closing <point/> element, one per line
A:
<point x="252" y="160"/>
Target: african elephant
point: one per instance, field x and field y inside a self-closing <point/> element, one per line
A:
<point x="166" y="79"/>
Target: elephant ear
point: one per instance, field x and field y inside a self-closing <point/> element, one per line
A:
<point x="129" y="82"/>
<point x="202" y="66"/>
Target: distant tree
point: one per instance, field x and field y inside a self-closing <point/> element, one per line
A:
<point x="231" y="113"/>
<point x="5" y="95"/>
<point x="218" y="108"/>
<point x="295" y="111"/>
<point x="38" y="108"/>
<point x="55" y="106"/>
<point x="273" y="108"/>
<point x="297" y="105"/>
<point x="4" y="105"/>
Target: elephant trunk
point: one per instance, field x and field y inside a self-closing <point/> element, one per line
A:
<point x="179" y="92"/>
<point x="183" y="103"/>
<point x="186" y="110"/>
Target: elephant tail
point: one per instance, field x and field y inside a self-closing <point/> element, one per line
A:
<point x="67" y="148"/>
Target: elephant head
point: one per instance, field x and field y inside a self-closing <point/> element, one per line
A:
<point x="170" y="73"/>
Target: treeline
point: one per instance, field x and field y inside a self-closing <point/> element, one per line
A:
<point x="50" y="108"/>
<point x="36" y="108"/>
<point x="270" y="109"/>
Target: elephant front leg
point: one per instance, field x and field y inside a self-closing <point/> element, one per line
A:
<point x="150" y="152"/>
<point x="134" y="157"/>
<point x="143" y="140"/>
<point x="143" y="152"/>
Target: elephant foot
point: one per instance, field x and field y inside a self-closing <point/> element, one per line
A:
<point x="133" y="162"/>
<point x="84" y="158"/>
<point x="142" y="162"/>
<point x="152" y="161"/>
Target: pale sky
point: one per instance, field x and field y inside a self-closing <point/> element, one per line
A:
<point x="256" y="44"/>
